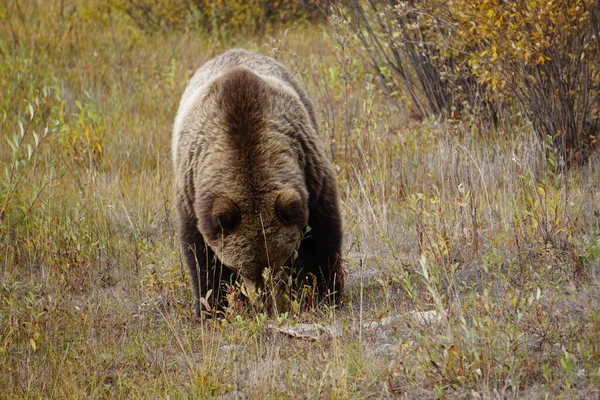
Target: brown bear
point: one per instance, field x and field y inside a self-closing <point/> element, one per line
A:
<point x="251" y="174"/>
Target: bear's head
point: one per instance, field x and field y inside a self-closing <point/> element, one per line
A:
<point x="249" y="234"/>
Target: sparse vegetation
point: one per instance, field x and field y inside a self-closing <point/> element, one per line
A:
<point x="472" y="245"/>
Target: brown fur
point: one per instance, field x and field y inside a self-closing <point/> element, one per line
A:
<point x="251" y="173"/>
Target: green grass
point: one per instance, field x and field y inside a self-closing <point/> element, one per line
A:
<point x="477" y="225"/>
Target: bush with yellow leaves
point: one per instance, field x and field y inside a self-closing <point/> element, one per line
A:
<point x="491" y="59"/>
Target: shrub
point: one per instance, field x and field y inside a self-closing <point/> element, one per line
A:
<point x="219" y="17"/>
<point x="17" y="197"/>
<point x="410" y="49"/>
<point x="546" y="56"/>
<point x="538" y="58"/>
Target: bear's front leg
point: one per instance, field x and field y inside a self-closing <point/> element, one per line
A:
<point x="320" y="251"/>
<point x="196" y="257"/>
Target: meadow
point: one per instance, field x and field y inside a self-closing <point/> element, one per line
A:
<point x="472" y="250"/>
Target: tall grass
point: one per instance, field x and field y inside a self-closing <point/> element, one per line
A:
<point x="472" y="258"/>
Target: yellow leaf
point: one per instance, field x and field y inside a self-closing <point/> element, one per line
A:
<point x="33" y="344"/>
<point x="541" y="191"/>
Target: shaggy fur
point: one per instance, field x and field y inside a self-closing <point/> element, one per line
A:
<point x="251" y="173"/>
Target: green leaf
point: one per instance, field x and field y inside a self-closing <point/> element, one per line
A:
<point x="12" y="145"/>
<point x="31" y="111"/>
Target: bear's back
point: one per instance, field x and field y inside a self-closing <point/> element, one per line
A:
<point x="265" y="67"/>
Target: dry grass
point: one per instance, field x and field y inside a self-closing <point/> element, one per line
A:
<point x="499" y="241"/>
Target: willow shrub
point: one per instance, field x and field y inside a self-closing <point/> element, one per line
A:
<point x="492" y="60"/>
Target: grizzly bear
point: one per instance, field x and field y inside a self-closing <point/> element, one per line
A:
<point x="251" y="175"/>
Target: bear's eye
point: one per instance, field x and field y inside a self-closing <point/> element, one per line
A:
<point x="226" y="215"/>
<point x="290" y="208"/>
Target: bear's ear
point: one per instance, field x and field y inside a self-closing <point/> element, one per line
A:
<point x="226" y="214"/>
<point x="221" y="218"/>
<point x="291" y="209"/>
